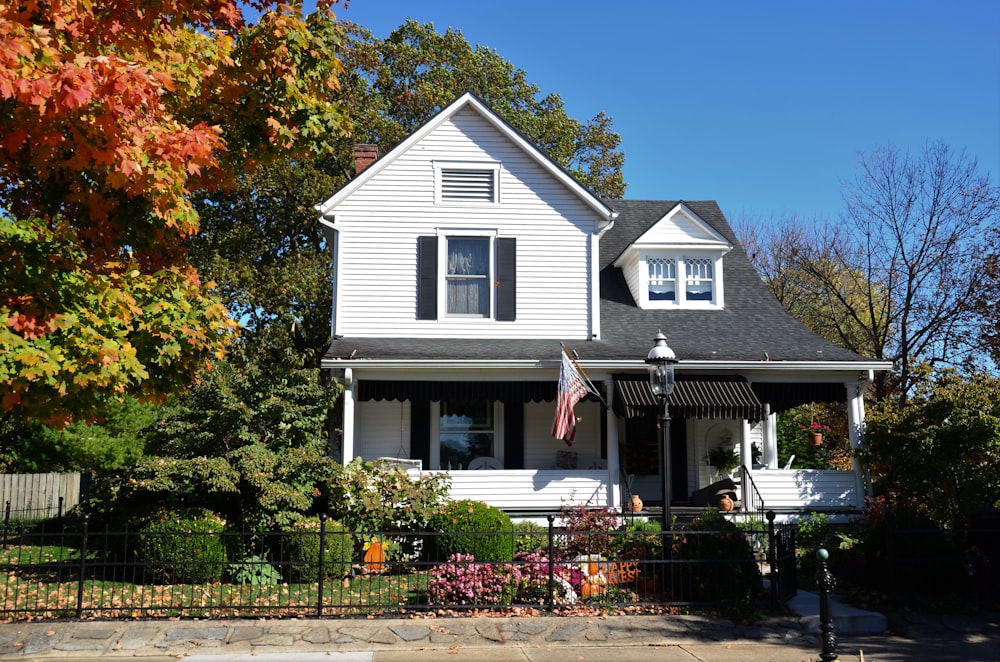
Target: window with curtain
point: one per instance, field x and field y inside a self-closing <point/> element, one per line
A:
<point x="699" y="278"/>
<point x="468" y="277"/>
<point x="662" y="278"/>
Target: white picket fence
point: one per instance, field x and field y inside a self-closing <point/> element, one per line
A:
<point x="36" y="496"/>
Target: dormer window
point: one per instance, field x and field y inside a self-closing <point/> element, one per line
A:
<point x="699" y="287"/>
<point x="467" y="183"/>
<point x="676" y="263"/>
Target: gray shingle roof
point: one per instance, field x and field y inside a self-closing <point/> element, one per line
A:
<point x="752" y="327"/>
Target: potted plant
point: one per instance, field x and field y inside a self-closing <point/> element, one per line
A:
<point x="815" y="432"/>
<point x="724" y="459"/>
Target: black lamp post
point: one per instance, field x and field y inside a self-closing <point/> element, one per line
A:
<point x="661" y="360"/>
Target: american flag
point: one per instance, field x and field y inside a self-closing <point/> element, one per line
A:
<point x="572" y="388"/>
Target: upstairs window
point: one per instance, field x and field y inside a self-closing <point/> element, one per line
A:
<point x="468" y="276"/>
<point x="662" y="278"/>
<point x="467" y="183"/>
<point x="475" y="277"/>
<point x="699" y="279"/>
<point x="676" y="280"/>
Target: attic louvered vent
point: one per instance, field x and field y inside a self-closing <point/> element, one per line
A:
<point x="468" y="185"/>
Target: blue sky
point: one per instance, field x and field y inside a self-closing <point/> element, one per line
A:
<point x="763" y="106"/>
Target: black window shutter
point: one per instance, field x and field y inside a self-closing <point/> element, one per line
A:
<point x="427" y="278"/>
<point x="506" y="279"/>
<point x="420" y="431"/>
<point x="513" y="435"/>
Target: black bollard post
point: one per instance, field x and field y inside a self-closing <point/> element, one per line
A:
<point x="826" y="583"/>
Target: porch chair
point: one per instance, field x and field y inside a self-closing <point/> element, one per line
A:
<point x="791" y="458"/>
<point x="486" y="462"/>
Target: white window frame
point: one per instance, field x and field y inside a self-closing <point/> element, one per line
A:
<point x="441" y="166"/>
<point x="443" y="236"/>
<point x="681" y="258"/>
<point x="435" y="450"/>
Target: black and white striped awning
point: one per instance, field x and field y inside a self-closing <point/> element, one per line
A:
<point x="728" y="397"/>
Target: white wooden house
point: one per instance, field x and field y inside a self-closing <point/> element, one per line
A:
<point x="464" y="256"/>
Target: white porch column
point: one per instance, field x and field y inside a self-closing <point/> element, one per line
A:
<point x="769" y="453"/>
<point x="614" y="462"/>
<point x="746" y="448"/>
<point x="348" y="396"/>
<point x="856" y="430"/>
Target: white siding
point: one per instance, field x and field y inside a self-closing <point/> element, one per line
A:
<point x="380" y="222"/>
<point x="540" y="447"/>
<point x="383" y="429"/>
<point x="678" y="229"/>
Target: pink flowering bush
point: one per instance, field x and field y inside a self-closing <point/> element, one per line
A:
<point x="462" y="581"/>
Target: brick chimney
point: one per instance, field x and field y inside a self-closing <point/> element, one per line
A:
<point x="364" y="156"/>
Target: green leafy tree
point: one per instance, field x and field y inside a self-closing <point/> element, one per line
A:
<point x="110" y="444"/>
<point x="250" y="445"/>
<point x="940" y="452"/>
<point x="262" y="244"/>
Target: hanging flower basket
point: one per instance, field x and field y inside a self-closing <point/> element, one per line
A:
<point x="815" y="432"/>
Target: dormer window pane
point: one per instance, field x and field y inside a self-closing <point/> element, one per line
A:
<point x="662" y="279"/>
<point x="698" y="286"/>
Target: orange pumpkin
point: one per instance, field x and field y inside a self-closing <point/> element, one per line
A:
<point x="375" y="557"/>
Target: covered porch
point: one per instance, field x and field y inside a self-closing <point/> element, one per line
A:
<point x="525" y="472"/>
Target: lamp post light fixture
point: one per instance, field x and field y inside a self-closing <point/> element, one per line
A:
<point x="661" y="360"/>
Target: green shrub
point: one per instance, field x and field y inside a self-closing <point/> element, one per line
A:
<point x="640" y="540"/>
<point x="726" y="569"/>
<point x="255" y="571"/>
<point x="531" y="536"/>
<point x="302" y="544"/>
<point x="472" y="528"/>
<point x="183" y="546"/>
<point x="927" y="562"/>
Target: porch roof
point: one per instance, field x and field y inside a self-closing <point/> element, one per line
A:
<point x="700" y="397"/>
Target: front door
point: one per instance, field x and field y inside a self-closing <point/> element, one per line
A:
<point x="641" y="457"/>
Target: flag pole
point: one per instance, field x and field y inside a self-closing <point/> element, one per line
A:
<point x="583" y="373"/>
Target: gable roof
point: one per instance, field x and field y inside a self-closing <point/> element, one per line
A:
<point x="469" y="101"/>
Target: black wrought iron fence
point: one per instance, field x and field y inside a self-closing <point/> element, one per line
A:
<point x="82" y="570"/>
<point x="915" y="561"/>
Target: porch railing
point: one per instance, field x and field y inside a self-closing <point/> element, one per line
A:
<point x="753" y="502"/>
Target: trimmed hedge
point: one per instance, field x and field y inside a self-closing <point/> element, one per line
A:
<point x="183" y="546"/>
<point x="473" y="528"/>
<point x="302" y="551"/>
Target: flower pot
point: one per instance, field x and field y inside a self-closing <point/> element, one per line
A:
<point x="817" y="438"/>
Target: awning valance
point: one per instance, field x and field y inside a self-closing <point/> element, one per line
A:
<point x="728" y="397"/>
<point x="374" y="389"/>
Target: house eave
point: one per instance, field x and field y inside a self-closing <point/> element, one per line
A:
<point x="437" y="366"/>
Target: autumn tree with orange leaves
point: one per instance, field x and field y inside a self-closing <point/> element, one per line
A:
<point x="112" y="114"/>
